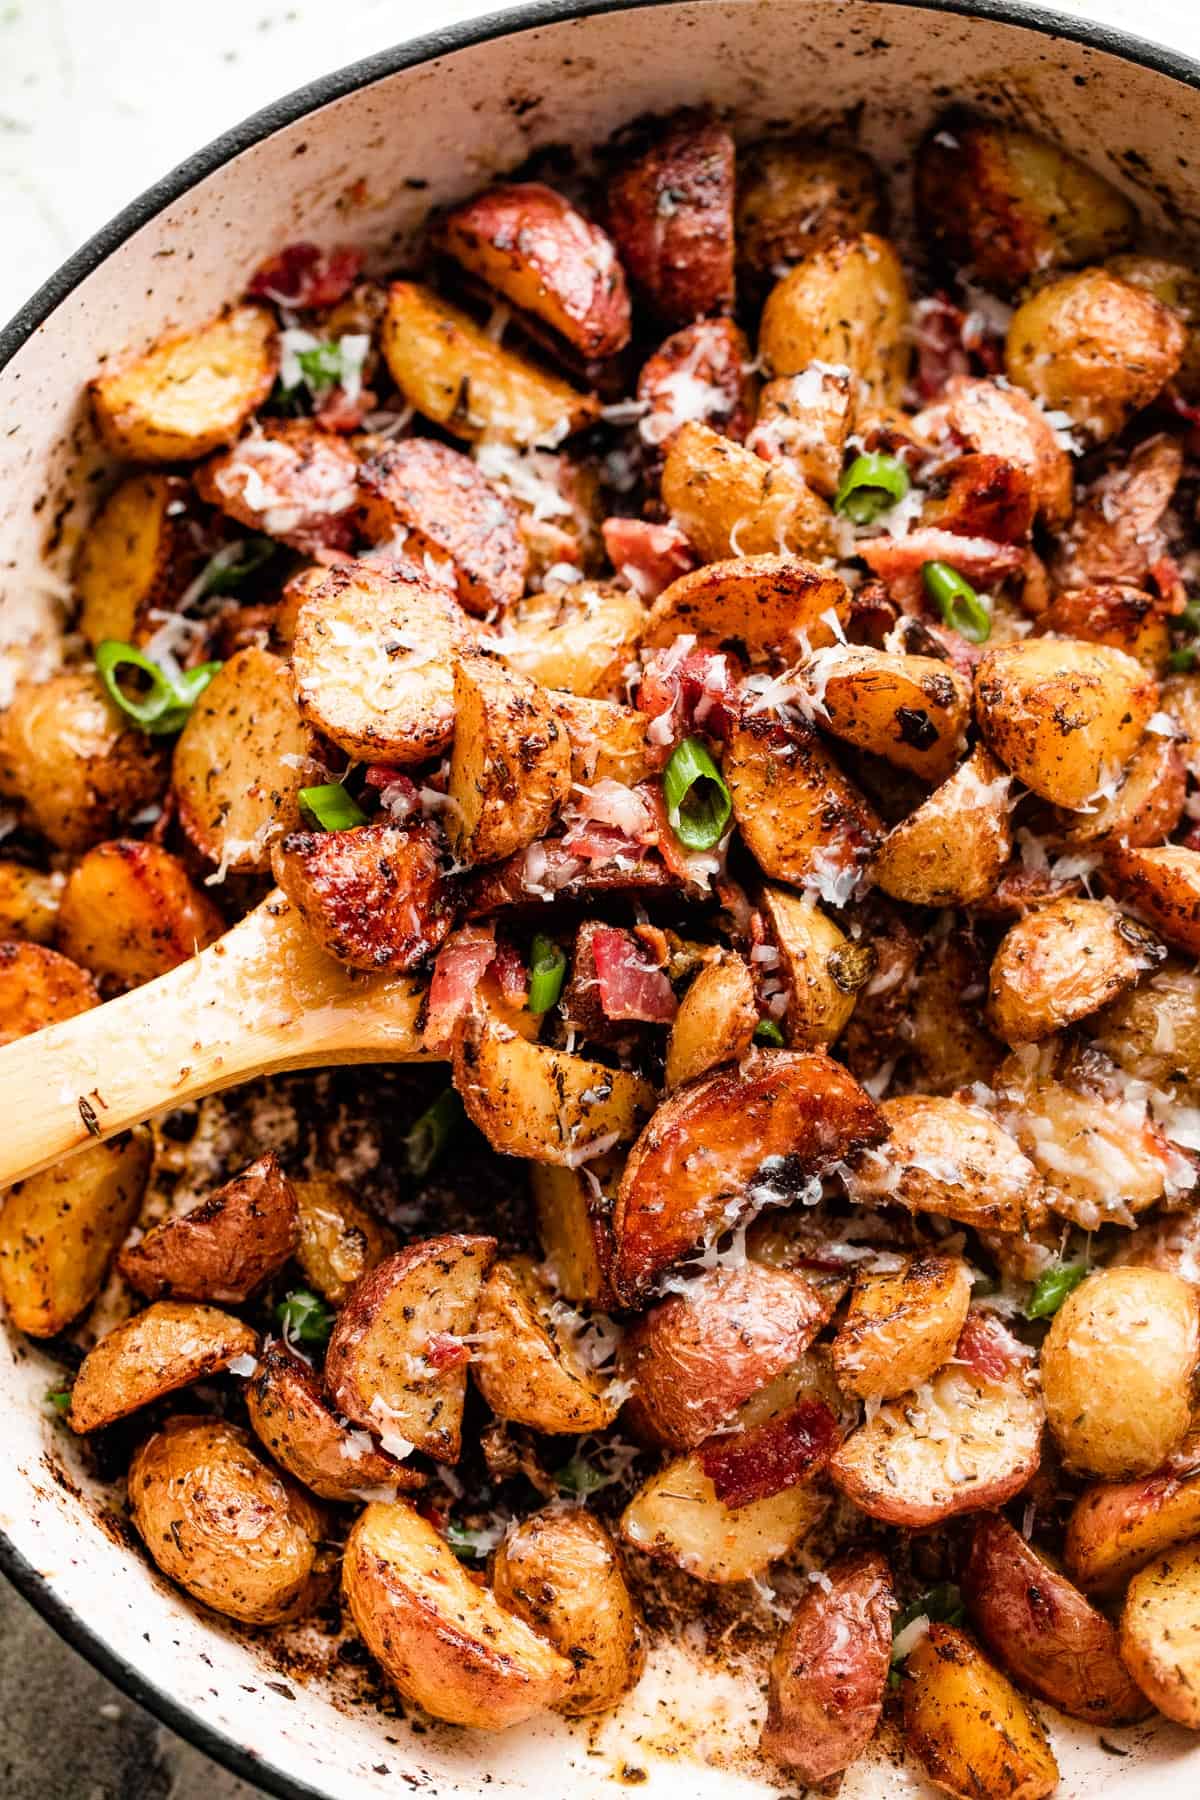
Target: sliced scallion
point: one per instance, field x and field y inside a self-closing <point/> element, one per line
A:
<point x="698" y="801"/>
<point x="304" y="1318"/>
<point x="768" y="1032"/>
<point x="1051" y="1289"/>
<point x="960" y="606"/>
<point x="871" y="485"/>
<point x="426" y="1143"/>
<point x="161" y="707"/>
<point x="332" y="807"/>
<point x="547" y="972"/>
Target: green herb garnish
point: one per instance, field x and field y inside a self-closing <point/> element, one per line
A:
<point x="871" y="485"/>
<point x="304" y="1318"/>
<point x="332" y="807"/>
<point x="162" y="703"/>
<point x="547" y="972"/>
<point x="698" y="801"/>
<point x="1051" y="1289"/>
<point x="960" y="606"/>
<point x="426" y="1142"/>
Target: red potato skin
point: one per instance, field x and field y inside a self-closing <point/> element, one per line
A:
<point x="670" y="209"/>
<point x="372" y="896"/>
<point x="308" y="473"/>
<point x="830" y="1670"/>
<point x="285" y="1384"/>
<point x="712" y="353"/>
<point x="224" y="1248"/>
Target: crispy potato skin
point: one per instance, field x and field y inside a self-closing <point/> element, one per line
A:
<point x="575" y="1227"/>
<point x="224" y="1248"/>
<point x="382" y="1369"/>
<point x="731" y="503"/>
<point x="528" y="1368"/>
<point x="1094" y="347"/>
<point x="807" y="419"/>
<point x="830" y="1669"/>
<point x="677" y="1518"/>
<point x="339" y="1240"/>
<point x="130" y="911"/>
<point x="799" y="815"/>
<point x="715" y="1022"/>
<point x="823" y="971"/>
<point x="1178" y="287"/>
<point x="845" y="303"/>
<point x="1098" y="1167"/>
<point x="670" y="209"/>
<point x="695" y="1164"/>
<point x="29" y="902"/>
<point x="510" y="768"/>
<point x="1116" y="1528"/>
<point x="911" y="710"/>
<point x="968" y="1726"/>
<point x="38" y="987"/>
<point x="1062" y="962"/>
<point x="1163" y="883"/>
<point x="531" y="245"/>
<point x="1117" y="537"/>
<point x="1005" y="422"/>
<point x="1146" y="807"/>
<point x="447" y="1644"/>
<point x="287" y="478"/>
<point x="1160" y="1633"/>
<point x="577" y="638"/>
<point x="190" y="392"/>
<point x="224" y="1524"/>
<point x="951" y="850"/>
<point x="291" y="1417"/>
<point x="60" y="1229"/>
<point x="947" y="1156"/>
<point x="703" y="370"/>
<point x="166" y="1347"/>
<point x="372" y="896"/>
<point x="137" y="556"/>
<point x="608" y="741"/>
<point x="439" y="499"/>
<point x="1117" y="1366"/>
<point x="1046" y="1634"/>
<point x="795" y="195"/>
<point x="754" y="603"/>
<point x="901" y="1327"/>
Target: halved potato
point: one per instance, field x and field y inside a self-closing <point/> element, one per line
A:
<point x="130" y="911"/>
<point x="901" y="1326"/>
<point x="289" y="479"/>
<point x="729" y="502"/>
<point x="608" y="741"/>
<point x="764" y="605"/>
<point x="1177" y="286"/>
<point x="1101" y="1163"/>
<point x="1165" y="885"/>
<point x="801" y="818"/>
<point x="223" y="1248"/>
<point x="845" y="303"/>
<point x="510" y="769"/>
<point x="1146" y="807"/>
<point x="291" y="1417"/>
<point x="157" y="1352"/>
<point x="676" y="1517"/>
<point x="372" y="896"/>
<point x="911" y="710"/>
<point x="445" y="1642"/>
<point x="529" y="1365"/>
<point x="38" y="987"/>
<point x="136" y="558"/>
<point x="715" y="1023"/>
<point x="578" y="638"/>
<point x="1001" y="420"/>
<point x="823" y="970"/>
<point x="796" y="193"/>
<point x="574" y="1221"/>
<point x="704" y="372"/>
<point x="396" y="1362"/>
<point x="1153" y="1029"/>
<point x="805" y="419"/>
<point x="670" y="209"/>
<point x="946" y="1156"/>
<point x="339" y="1240"/>
<point x="1116" y="1528"/>
<point x="29" y="902"/>
<point x="1160" y="1633"/>
<point x="969" y="1727"/>
<point x="191" y="391"/>
<point x="1062" y="962"/>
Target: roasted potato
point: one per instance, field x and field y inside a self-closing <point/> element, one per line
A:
<point x="448" y="368"/>
<point x="759" y="604"/>
<point x="29" y="902"/>
<point x="822" y="969"/>
<point x="795" y="195"/>
<point x="60" y="1229"/>
<point x="1118" y="536"/>
<point x="950" y="1046"/>
<point x="670" y="209"/>
<point x="1164" y="884"/>
<point x="845" y="303"/>
<point x="608" y="741"/>
<point x="510" y="769"/>
<point x="969" y="1727"/>
<point x="290" y="479"/>
<point x="1170" y="1241"/>
<point x="574" y="1221"/>
<point x="1094" y="347"/>
<point x="339" y="1240"/>
<point x="805" y="419"/>
<point x="561" y="1572"/>
<point x="1178" y="287"/>
<point x="396" y="1362"/>
<point x="800" y="817"/>
<point x="1062" y="962"/>
<point x="731" y="503"/>
<point x="830" y="1670"/>
<point x="224" y="1248"/>
<point x="1160" y="1633"/>
<point x="446" y="1643"/>
<point x="135" y="559"/>
<point x="190" y="392"/>
<point x="703" y="374"/>
<point x="291" y="1417"/>
<point x="901" y="1326"/>
<point x="911" y="710"/>
<point x="1116" y="1528"/>
<point x="1117" y="1367"/>
<point x="158" y="1351"/>
<point x="1146" y="807"/>
<point x="950" y="851"/>
<point x="1003" y="421"/>
<point x="946" y="1156"/>
<point x="372" y="896"/>
<point x="38" y="987"/>
<point x="1099" y="1163"/>
<point x="130" y="911"/>
<point x="219" y="1520"/>
<point x="715" y="1022"/>
<point x="676" y="1517"/>
<point x="1043" y="1630"/>
<point x="578" y="638"/>
<point x="532" y="1366"/>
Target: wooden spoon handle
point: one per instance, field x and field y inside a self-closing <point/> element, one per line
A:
<point x="261" y="999"/>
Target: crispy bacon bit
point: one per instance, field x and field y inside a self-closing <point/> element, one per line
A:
<point x="630" y="985"/>
<point x="695" y="690"/>
<point x="780" y="1453"/>
<point x="988" y="1349"/>
<point x="511" y="974"/>
<point x="399" y="796"/>
<point x="938" y="328"/>
<point x="303" y="276"/>
<point x="1165" y="573"/>
<point x="445" y="1351"/>
<point x="338" y="411"/>
<point x="462" y="962"/>
<point x="898" y="561"/>
<point x="649" y="557"/>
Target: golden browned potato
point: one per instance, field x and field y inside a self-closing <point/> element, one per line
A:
<point x="532" y="1367"/>
<point x="693" y="1170"/>
<point x="1165" y="885"/>
<point x="157" y="1352"/>
<point x="767" y="604"/>
<point x="531" y="245"/>
<point x="1095" y="348"/>
<point x="373" y="896"/>
<point x="676" y="1517"/>
<point x="219" y="1520"/>
<point x="969" y="1727"/>
<point x="578" y="638"/>
<point x="1178" y="287"/>
<point x="1116" y="1528"/>
<point x="290" y="1416"/>
<point x="29" y="902"/>
<point x="510" y="769"/>
<point x="715" y="1022"/>
<point x="1065" y="717"/>
<point x="845" y="303"/>
<point x="445" y="1642"/>
<point x="704" y="372"/>
<point x="1003" y="421"/>
<point x="136" y="558"/>
<point x="806" y="418"/>
<point x="289" y="479"/>
<point x="1146" y="807"/>
<point x="911" y="710"/>
<point x="223" y="1248"/>
<point x="435" y="500"/>
<point x="339" y="1240"/>
<point x="608" y="741"/>
<point x="670" y="209"/>
<point x="1098" y="1166"/>
<point x="60" y="1229"/>
<point x="38" y="987"/>
<point x="73" y="760"/>
<point x="241" y="760"/>
<point x="901" y="1326"/>
<point x="1118" y="536"/>
<point x="1170" y="1241"/>
<point x="574" y="1226"/>
<point x="800" y="817"/>
<point x="1043" y="1630"/>
<point x="1060" y="963"/>
<point x="950" y="851"/>
<point x="830" y="1670"/>
<point x="548" y="1105"/>
<point x="1117" y="1367"/>
<point x="946" y="1156"/>
<point x="731" y="503"/>
<point x="448" y="368"/>
<point x="1160" y="1633"/>
<point x="396" y="1362"/>
<point x="561" y="1572"/>
<point x="950" y="1045"/>
<point x="190" y="392"/>
<point x="822" y="969"/>
<point x="130" y="911"/>
<point x="1006" y="205"/>
<point x="795" y="195"/>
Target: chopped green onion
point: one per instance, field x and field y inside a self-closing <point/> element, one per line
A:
<point x="871" y="485"/>
<point x="1051" y="1289"/>
<point x="768" y="1032"/>
<point x="304" y="1318"/>
<point x="1181" y="662"/>
<point x="941" y="1605"/>
<point x="579" y="1477"/>
<point x="332" y="807"/>
<point x="426" y="1143"/>
<point x="957" y="601"/>
<point x="234" y="563"/>
<point x="161" y="708"/>
<point x="472" y="1542"/>
<point x="59" y="1397"/>
<point x="322" y="365"/>
<point x="698" y="802"/>
<point x="547" y="972"/>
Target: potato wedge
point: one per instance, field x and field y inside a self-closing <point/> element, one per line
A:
<point x="224" y="1248"/>
<point x="395" y="1361"/>
<point x="717" y="1148"/>
<point x="1003" y="421"/>
<point x="531" y="1366"/>
<point x="715" y="1023"/>
<point x="703" y="373"/>
<point x="946" y="1156"/>
<point x="1115" y="614"/>
<point x="548" y="1105"/>
<point x="1177" y="286"/>
<point x="166" y="1347"/>
<point x="577" y="638"/>
<point x="1065" y="717"/>
<point x="805" y="419"/>
<point x="130" y="911"/>
<point x="1062" y="962"/>
<point x="59" y="1231"/>
<point x="372" y="896"/>
<point x="339" y="1240"/>
<point x="191" y="391"/>
<point x="911" y="710"/>
<point x="950" y="851"/>
<point x="291" y="1417"/>
<point x="448" y="368"/>
<point x="574" y="1224"/>
<point x="761" y="605"/>
<point x="1116" y="1528"/>
<point x="1118" y="535"/>
<point x="447" y="1644"/>
<point x="29" y="902"/>
<point x="38" y="987"/>
<point x="1165" y="885"/>
<point x="670" y="209"/>
<point x="731" y="503"/>
<point x="802" y="820"/>
<point x="1160" y="1633"/>
<point x="822" y="969"/>
<point x="1146" y="807"/>
<point x="901" y="1327"/>
<point x="561" y="1572"/>
<point x="1101" y="1162"/>
<point x="795" y="194"/>
<point x="969" y="1727"/>
<point x="608" y="741"/>
<point x="676" y="1517"/>
<point x="830" y="1670"/>
<point x="289" y="479"/>
<point x="845" y="303"/>
<point x="135" y="559"/>
<point x="510" y="769"/>
<point x="1045" y="1633"/>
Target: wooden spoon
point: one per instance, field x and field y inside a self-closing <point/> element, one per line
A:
<point x="261" y="999"/>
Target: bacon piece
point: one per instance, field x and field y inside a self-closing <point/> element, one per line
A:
<point x="399" y="795"/>
<point x="938" y="330"/>
<point x="692" y="691"/>
<point x="337" y="411"/>
<point x="618" y="866"/>
<point x="445" y="1351"/>
<point x="303" y="276"/>
<point x="988" y="1349"/>
<point x="609" y="818"/>
<point x="1167" y="577"/>
<point x="898" y="561"/>
<point x="462" y="962"/>
<point x="512" y="975"/>
<point x="649" y="557"/>
<point x="745" y="1466"/>
<point x="631" y="987"/>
